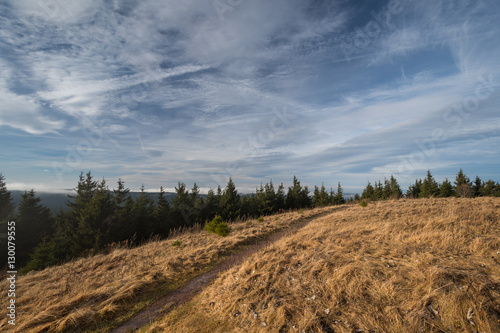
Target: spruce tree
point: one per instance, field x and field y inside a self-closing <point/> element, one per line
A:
<point x="320" y="198"/>
<point x="414" y="190"/>
<point x="6" y="206"/>
<point x="429" y="187"/>
<point x="395" y="192"/>
<point x="259" y="200"/>
<point x="211" y="206"/>
<point x="67" y="226"/>
<point x="368" y="192"/>
<point x="324" y="198"/>
<point x="446" y="189"/>
<point x="230" y="202"/>
<point x="304" y="201"/>
<point x="280" y="198"/>
<point x="161" y="215"/>
<point x="143" y="215"/>
<point x="488" y="188"/>
<point x="292" y="197"/>
<point x="269" y="198"/>
<point x="339" y="197"/>
<point x="94" y="220"/>
<point x="476" y="190"/>
<point x="182" y="206"/>
<point x="462" y="185"/>
<point x="378" y="192"/>
<point x="387" y="189"/>
<point x="315" y="198"/>
<point x="121" y="215"/>
<point x="197" y="204"/>
<point x="33" y="222"/>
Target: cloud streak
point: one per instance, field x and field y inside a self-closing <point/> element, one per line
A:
<point x="183" y="91"/>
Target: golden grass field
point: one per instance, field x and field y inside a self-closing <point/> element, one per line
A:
<point x="99" y="292"/>
<point x="428" y="265"/>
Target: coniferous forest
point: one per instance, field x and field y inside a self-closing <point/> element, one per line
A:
<point x="98" y="216"/>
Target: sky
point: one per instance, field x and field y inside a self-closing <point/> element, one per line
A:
<point x="157" y="92"/>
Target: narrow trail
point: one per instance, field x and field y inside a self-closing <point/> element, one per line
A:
<point x="167" y="303"/>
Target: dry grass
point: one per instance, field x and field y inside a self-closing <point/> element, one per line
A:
<point x="397" y="266"/>
<point x="86" y="293"/>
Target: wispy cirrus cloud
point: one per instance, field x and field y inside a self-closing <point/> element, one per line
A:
<point x="187" y="92"/>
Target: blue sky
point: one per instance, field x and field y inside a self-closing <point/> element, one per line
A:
<point x="156" y="92"/>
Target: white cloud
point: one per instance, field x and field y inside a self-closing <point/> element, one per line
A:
<point x="58" y="12"/>
<point x="23" y="112"/>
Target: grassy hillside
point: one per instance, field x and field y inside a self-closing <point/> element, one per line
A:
<point x="430" y="265"/>
<point x="95" y="293"/>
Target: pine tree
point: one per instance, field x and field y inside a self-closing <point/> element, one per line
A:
<point x="197" y="204"/>
<point x="429" y="187"/>
<point x="6" y="206"/>
<point x="320" y="197"/>
<point x="211" y="206"/>
<point x="182" y="206"/>
<point x="368" y="192"/>
<point x="488" y="188"/>
<point x="249" y="206"/>
<point x="315" y="198"/>
<point x="142" y="213"/>
<point x="303" y="199"/>
<point x="269" y="198"/>
<point x="259" y="200"/>
<point x="69" y="243"/>
<point x="462" y="185"/>
<point x="395" y="192"/>
<point x="94" y="220"/>
<point x="339" y="197"/>
<point x="121" y="216"/>
<point x="33" y="222"/>
<point x="161" y="225"/>
<point x="378" y="192"/>
<point x="446" y="189"/>
<point x="280" y="198"/>
<point x="387" y="189"/>
<point x="230" y="202"/>
<point x="476" y="190"/>
<point x="414" y="190"/>
<point x="292" y="197"/>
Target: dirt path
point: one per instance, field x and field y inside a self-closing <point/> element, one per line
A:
<point x="184" y="294"/>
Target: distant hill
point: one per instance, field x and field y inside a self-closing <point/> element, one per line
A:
<point x="56" y="201"/>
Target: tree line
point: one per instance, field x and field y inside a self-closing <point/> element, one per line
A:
<point x="98" y="216"/>
<point x="429" y="187"/>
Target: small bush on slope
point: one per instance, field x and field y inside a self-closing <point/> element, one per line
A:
<point x="218" y="226"/>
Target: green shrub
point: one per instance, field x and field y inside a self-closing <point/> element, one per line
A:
<point x="363" y="203"/>
<point x="176" y="243"/>
<point x="261" y="219"/>
<point x="300" y="211"/>
<point x="276" y="218"/>
<point x="218" y="226"/>
<point x="249" y="223"/>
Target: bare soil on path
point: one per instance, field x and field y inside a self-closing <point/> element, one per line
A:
<point x="184" y="294"/>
